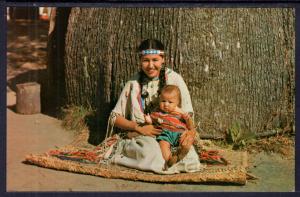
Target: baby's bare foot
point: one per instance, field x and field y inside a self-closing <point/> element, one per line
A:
<point x="172" y="160"/>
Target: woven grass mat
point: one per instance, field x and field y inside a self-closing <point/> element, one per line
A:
<point x="235" y="172"/>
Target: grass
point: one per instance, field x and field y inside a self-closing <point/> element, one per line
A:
<point x="238" y="138"/>
<point x="74" y="117"/>
<point x="281" y="144"/>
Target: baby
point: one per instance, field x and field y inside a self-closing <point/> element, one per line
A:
<point x="173" y="122"/>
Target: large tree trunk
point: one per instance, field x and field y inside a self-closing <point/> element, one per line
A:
<point x="53" y="91"/>
<point x="237" y="63"/>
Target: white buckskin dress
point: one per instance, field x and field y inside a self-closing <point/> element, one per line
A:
<point x="143" y="152"/>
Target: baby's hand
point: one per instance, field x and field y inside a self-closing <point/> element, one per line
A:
<point x="189" y="121"/>
<point x="148" y="119"/>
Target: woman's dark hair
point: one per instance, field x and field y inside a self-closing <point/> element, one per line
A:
<point x="143" y="79"/>
<point x="151" y="44"/>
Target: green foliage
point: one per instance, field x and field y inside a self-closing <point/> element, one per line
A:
<point x="238" y="137"/>
<point x="74" y="117"/>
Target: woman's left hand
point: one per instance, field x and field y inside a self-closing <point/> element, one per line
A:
<point x="187" y="138"/>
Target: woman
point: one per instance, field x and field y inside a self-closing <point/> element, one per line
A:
<point x="139" y="97"/>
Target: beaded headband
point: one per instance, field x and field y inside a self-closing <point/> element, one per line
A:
<point x="152" y="52"/>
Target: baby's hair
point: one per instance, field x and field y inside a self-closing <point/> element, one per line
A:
<point x="170" y="89"/>
<point x="152" y="44"/>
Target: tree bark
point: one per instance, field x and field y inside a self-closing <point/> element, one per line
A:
<point x="238" y="63"/>
<point x="53" y="88"/>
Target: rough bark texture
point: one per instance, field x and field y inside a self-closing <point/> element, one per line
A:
<point x="237" y="63"/>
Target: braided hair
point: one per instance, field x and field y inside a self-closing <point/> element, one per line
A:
<point x="143" y="79"/>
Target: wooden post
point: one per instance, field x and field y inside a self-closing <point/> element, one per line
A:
<point x="28" y="98"/>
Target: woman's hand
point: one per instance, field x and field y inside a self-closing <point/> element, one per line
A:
<point x="187" y="139"/>
<point x="148" y="130"/>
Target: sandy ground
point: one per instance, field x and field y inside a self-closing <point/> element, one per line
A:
<point x="38" y="133"/>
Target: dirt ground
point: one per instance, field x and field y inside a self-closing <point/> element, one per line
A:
<point x="38" y="133"/>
